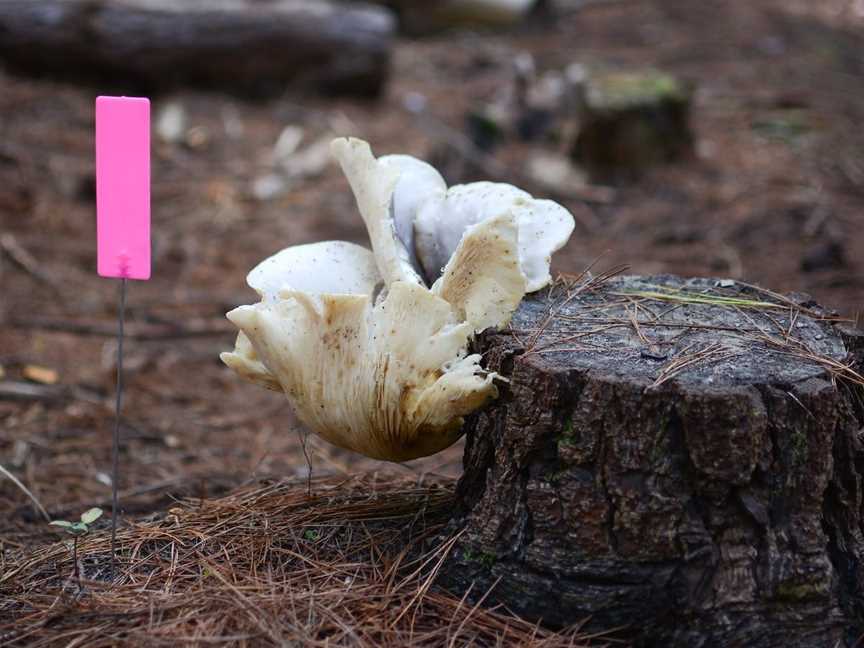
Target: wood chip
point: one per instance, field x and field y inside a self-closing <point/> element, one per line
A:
<point x="41" y="375"/>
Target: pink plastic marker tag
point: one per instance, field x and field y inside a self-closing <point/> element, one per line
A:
<point x="122" y="227"/>
<point x="123" y="187"/>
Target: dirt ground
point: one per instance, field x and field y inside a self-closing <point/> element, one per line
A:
<point x="776" y="186"/>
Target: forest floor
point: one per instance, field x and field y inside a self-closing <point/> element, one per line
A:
<point x="774" y="195"/>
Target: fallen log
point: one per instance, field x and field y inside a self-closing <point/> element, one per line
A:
<point x="234" y="45"/>
<point x="677" y="459"/>
<point x="421" y="17"/>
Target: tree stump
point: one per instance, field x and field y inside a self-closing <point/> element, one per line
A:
<point x="631" y="121"/>
<point x="677" y="458"/>
<point x="236" y="45"/>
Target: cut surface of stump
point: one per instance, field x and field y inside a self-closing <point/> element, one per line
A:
<point x="678" y="458"/>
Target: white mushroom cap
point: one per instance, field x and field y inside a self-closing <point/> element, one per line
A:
<point x="373" y="184"/>
<point x="326" y="267"/>
<point x="544" y="227"/>
<point x="418" y="183"/>
<point x="483" y="281"/>
<point x="245" y="361"/>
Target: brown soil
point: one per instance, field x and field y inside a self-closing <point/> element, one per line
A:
<point x="776" y="186"/>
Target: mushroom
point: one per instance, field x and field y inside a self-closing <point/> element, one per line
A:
<point x="370" y="357"/>
<point x="544" y="226"/>
<point x="418" y="183"/>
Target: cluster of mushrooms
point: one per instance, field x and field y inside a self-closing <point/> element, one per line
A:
<point x="370" y="347"/>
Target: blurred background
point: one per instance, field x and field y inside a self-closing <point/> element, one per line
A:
<point x="705" y="138"/>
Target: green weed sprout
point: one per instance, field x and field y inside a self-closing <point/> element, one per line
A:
<point x="77" y="530"/>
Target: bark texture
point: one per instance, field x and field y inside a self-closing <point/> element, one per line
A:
<point x="680" y="469"/>
<point x="235" y="45"/>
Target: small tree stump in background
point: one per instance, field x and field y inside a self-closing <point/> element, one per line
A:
<point x="679" y="458"/>
<point x="630" y="121"/>
<point x="234" y="45"/>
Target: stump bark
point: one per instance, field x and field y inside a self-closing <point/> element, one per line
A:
<point x="235" y="45"/>
<point x="677" y="459"/>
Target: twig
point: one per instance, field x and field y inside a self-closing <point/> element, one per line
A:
<point x="712" y="353"/>
<point x="700" y="298"/>
<point x="76" y="570"/>
<point x="303" y="436"/>
<point x="656" y="324"/>
<point x="797" y="400"/>
<point x="25" y="261"/>
<point x="26" y="491"/>
<point x="635" y="322"/>
<point x="571" y="338"/>
<point x="138" y="330"/>
<point x="783" y="299"/>
<point x="18" y="390"/>
<point x="225" y="479"/>
<point x="572" y="291"/>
